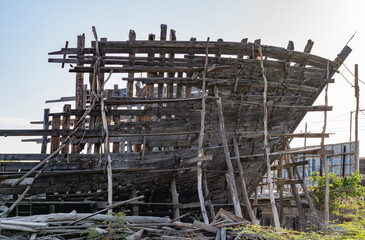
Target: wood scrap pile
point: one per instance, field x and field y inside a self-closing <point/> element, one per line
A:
<point x="75" y="225"/>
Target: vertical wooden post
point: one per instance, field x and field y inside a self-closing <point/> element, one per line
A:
<point x="357" y="95"/>
<point x="170" y="86"/>
<point x="132" y="38"/>
<point x="175" y="199"/>
<point x="188" y="88"/>
<point x="305" y="139"/>
<point x="281" y="188"/>
<point x="200" y="142"/>
<point x="79" y="94"/>
<point x="246" y="199"/>
<point x="45" y="127"/>
<point x="116" y="145"/>
<point x="150" y="86"/>
<point x="267" y="149"/>
<point x="80" y="76"/>
<point x="55" y="140"/>
<point x="351" y="112"/>
<point x="66" y="126"/>
<point x="324" y="157"/>
<point x="160" y="87"/>
<point x="230" y="175"/>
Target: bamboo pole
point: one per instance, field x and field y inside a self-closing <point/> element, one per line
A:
<point x="267" y="149"/>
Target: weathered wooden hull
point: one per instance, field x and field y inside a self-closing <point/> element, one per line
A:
<point x="161" y="125"/>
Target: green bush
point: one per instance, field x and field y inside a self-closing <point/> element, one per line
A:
<point x="341" y="189"/>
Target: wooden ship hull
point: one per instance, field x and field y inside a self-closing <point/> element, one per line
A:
<point x="153" y="131"/>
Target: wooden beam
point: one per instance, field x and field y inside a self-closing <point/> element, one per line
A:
<point x="230" y="175"/>
<point x="267" y="148"/>
<point x="198" y="47"/>
<point x="200" y="143"/>
<point x="175" y="199"/>
<point x="245" y="196"/>
<point x="289" y="165"/>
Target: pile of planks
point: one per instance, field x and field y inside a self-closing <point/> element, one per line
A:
<point x="75" y="225"/>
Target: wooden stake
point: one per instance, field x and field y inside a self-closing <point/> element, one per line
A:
<point x="246" y="199"/>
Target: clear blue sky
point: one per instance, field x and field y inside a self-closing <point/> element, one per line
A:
<point x="31" y="29"/>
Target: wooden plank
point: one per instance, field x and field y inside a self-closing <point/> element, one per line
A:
<point x="143" y="69"/>
<point x="80" y="133"/>
<point x="198" y="47"/>
<point x="289" y="165"/>
<point x="198" y="159"/>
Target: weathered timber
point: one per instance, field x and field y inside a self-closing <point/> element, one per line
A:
<point x="199" y="47"/>
<point x="246" y="199"/>
<point x="161" y="121"/>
